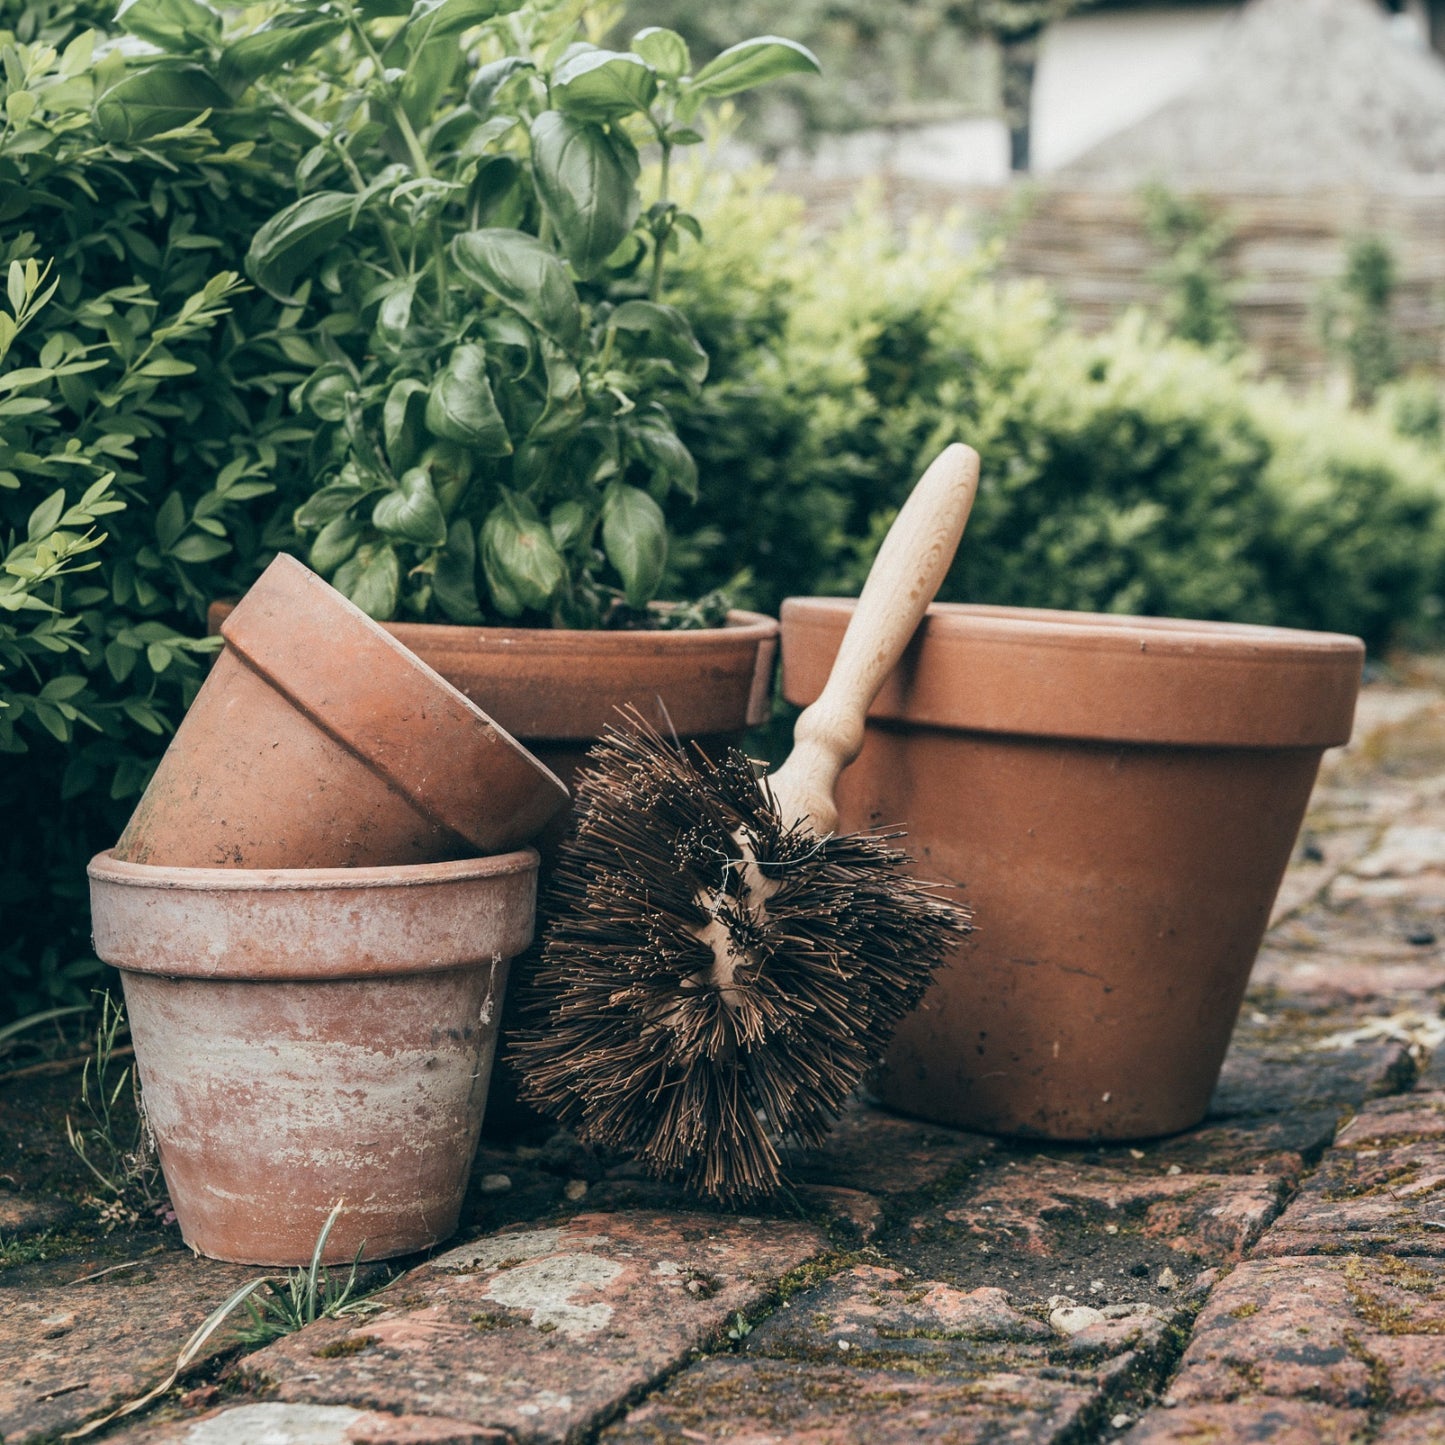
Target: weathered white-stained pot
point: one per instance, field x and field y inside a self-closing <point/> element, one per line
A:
<point x="309" y="1035"/>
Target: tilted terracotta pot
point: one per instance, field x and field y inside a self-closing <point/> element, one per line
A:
<point x="319" y="741"/>
<point x="309" y="1035"/>
<point x="1117" y="799"/>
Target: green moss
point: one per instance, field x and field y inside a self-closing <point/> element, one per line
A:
<point x="347" y="1345"/>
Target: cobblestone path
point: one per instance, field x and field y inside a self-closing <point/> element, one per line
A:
<point x="1277" y="1274"/>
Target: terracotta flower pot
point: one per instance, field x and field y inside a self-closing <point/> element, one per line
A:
<point x="1118" y="799"/>
<point x="319" y="741"/>
<point x="557" y="689"/>
<point x="309" y="1035"/>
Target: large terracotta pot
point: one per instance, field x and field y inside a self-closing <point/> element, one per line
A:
<point x="317" y="741"/>
<point x="311" y="1035"/>
<point x="1117" y="799"/>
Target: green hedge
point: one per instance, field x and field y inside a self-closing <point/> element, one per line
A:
<point x="144" y="432"/>
<point x="1123" y="472"/>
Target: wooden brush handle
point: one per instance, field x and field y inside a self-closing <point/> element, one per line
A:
<point x="907" y="573"/>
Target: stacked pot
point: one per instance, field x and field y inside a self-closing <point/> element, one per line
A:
<point x="313" y="909"/>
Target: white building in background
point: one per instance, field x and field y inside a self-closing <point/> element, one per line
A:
<point x="1100" y="72"/>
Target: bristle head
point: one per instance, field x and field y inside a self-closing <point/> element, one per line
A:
<point x="631" y="1034"/>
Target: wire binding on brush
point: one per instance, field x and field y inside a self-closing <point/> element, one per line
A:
<point x="712" y="981"/>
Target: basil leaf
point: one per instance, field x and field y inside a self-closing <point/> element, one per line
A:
<point x="603" y="85"/>
<point x="295" y="238"/>
<point x="665" y="50"/>
<point x="461" y="407"/>
<point x="159" y="98"/>
<point x="455" y="583"/>
<point x="412" y="511"/>
<point x="587" y="183"/>
<point x="524" y="274"/>
<point x="670" y="335"/>
<point x="749" y="63"/>
<point x="521" y="562"/>
<point x="280" y="41"/>
<point x="334" y="543"/>
<point x="184" y="25"/>
<point x="634" y="537"/>
<point x="371" y="578"/>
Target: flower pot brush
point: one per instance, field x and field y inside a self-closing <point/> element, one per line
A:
<point x="721" y="968"/>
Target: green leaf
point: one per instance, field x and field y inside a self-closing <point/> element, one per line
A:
<point x="372" y="580"/>
<point x="566" y="404"/>
<point x="412" y="511"/>
<point x="170" y="521"/>
<point x="286" y="38"/>
<point x="171" y="24"/>
<point x="568" y="523"/>
<point x="652" y="438"/>
<point x="490" y="78"/>
<point x="325" y="392"/>
<point x="665" y="50"/>
<point x="461" y="407"/>
<point x="522" y="565"/>
<point x="402" y="422"/>
<point x="430" y="72"/>
<point x="120" y="660"/>
<point x="295" y="238"/>
<point x="433" y="19"/>
<point x="63" y="688"/>
<point x="669" y="335"/>
<point x="52" y="720"/>
<point x="334" y="543"/>
<point x="634" y="537"/>
<point x="328" y="504"/>
<point x="393" y="316"/>
<point x="454" y="584"/>
<point x="159" y="98"/>
<point x="750" y="63"/>
<point x="587" y="183"/>
<point x="603" y="85"/>
<point x="524" y="274"/>
<point x="198" y="548"/>
<point x="45" y="518"/>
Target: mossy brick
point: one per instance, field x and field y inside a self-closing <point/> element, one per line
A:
<point x="1368" y="1200"/>
<point x="73" y="1347"/>
<point x="771" y="1402"/>
<point x="1253" y="1422"/>
<point x="543" y="1332"/>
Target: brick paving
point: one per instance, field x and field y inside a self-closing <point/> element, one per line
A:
<point x="1277" y="1274"/>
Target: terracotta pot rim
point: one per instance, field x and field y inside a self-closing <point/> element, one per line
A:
<point x="1096" y="677"/>
<point x="244" y="924"/>
<point x="740" y="626"/>
<point x="105" y="865"/>
<point x="1111" y="631"/>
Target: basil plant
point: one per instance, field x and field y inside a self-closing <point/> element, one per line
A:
<point x="472" y="281"/>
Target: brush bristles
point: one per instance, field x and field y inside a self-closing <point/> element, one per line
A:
<point x="627" y="1040"/>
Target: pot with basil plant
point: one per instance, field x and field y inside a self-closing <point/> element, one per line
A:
<point x="485" y="359"/>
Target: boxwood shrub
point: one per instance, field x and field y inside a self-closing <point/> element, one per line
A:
<point x="1123" y="472"/>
